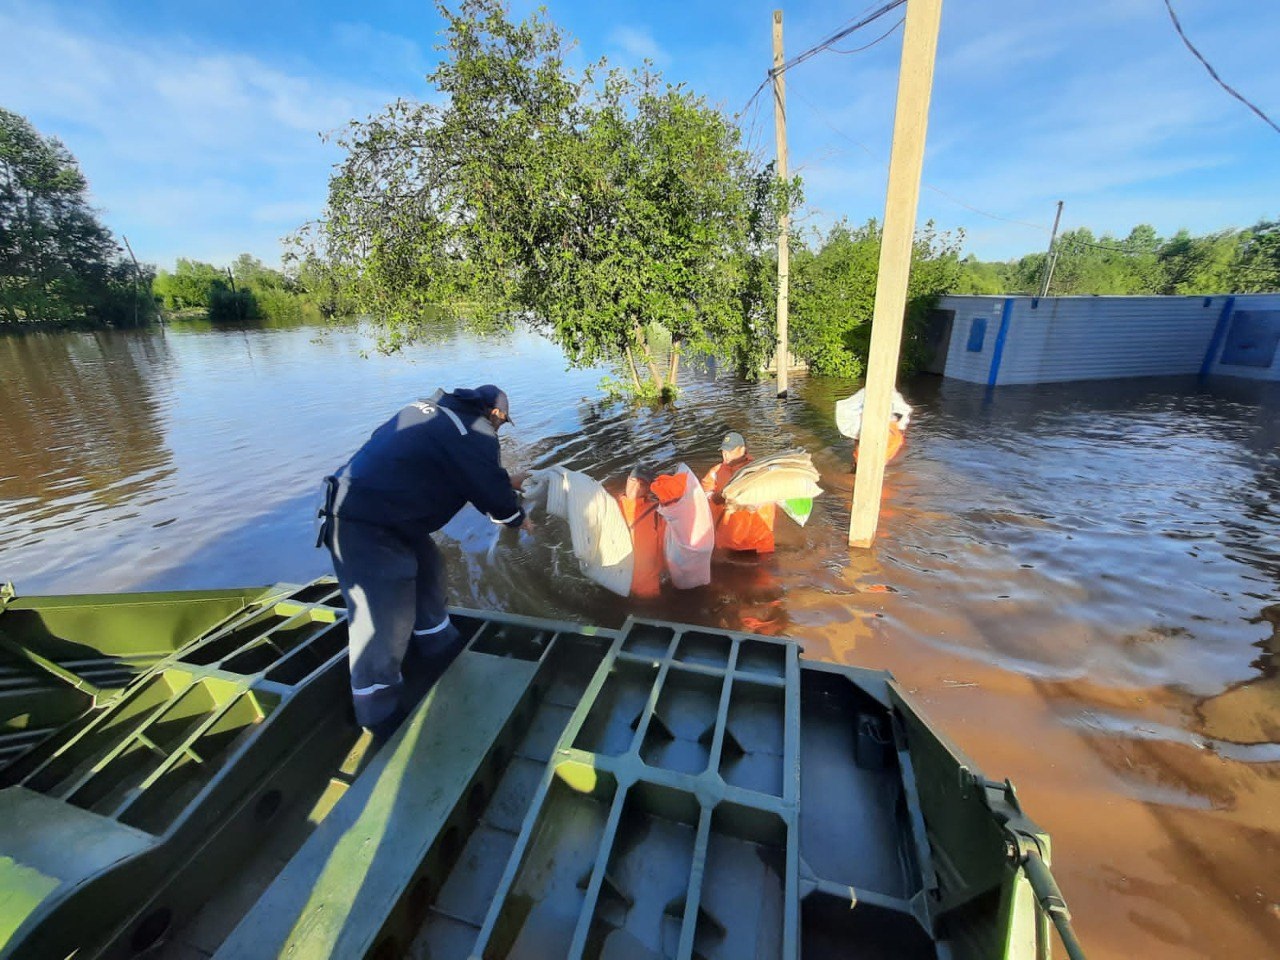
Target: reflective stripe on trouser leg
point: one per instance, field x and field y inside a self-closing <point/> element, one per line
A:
<point x="375" y="570"/>
<point x="433" y="631"/>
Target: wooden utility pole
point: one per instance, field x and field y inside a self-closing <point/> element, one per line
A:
<point x="782" y="356"/>
<point x="1051" y="258"/>
<point x="906" y="161"/>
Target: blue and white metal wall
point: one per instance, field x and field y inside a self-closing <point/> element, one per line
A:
<point x="1006" y="340"/>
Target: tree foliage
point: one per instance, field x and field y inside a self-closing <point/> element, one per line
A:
<point x="1142" y="263"/>
<point x="188" y="286"/>
<point x="58" y="264"/>
<point x="247" y="291"/>
<point x="593" y="205"/>
<point x="834" y="286"/>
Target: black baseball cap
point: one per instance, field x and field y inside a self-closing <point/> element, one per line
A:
<point x="495" y="398"/>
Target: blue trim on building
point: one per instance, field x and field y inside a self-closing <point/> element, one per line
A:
<point x="998" y="352"/>
<point x="1219" y="332"/>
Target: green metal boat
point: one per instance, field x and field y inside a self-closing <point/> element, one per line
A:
<point x="182" y="778"/>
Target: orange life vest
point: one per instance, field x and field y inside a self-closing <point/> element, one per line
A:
<point x="647" y="530"/>
<point x="738" y="528"/>
<point x="896" y="439"/>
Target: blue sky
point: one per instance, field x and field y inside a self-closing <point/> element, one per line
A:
<point x="197" y="123"/>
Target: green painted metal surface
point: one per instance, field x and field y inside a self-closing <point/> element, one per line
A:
<point x="564" y="791"/>
<point x="63" y="656"/>
<point x="178" y="758"/>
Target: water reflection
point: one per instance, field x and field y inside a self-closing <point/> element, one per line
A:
<point x="83" y="428"/>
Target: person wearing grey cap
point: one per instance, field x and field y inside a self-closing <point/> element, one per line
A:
<point x="737" y="528"/>
<point x="407" y="481"/>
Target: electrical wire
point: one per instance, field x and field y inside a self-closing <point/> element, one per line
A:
<point x="867" y="46"/>
<point x="817" y="48"/>
<point x="1214" y="73"/>
<point x="938" y="190"/>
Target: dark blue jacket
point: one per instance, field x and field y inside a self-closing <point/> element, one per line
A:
<point x="424" y="465"/>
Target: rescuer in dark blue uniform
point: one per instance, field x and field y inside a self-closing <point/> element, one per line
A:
<point x="408" y="480"/>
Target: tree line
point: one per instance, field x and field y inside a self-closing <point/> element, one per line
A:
<point x="58" y="263"/>
<point x="1141" y="263"/>
<point x="246" y="291"/>
<point x="620" y="215"/>
<point x="60" y="266"/>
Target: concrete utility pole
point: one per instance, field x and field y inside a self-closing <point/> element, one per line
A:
<point x="906" y="161"/>
<point x="783" y="355"/>
<point x="137" y="275"/>
<point x="1051" y="259"/>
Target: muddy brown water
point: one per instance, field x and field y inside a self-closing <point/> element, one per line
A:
<point x="1081" y="582"/>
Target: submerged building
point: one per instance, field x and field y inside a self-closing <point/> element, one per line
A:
<point x="1021" y="339"/>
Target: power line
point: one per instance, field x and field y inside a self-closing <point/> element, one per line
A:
<point x="1073" y="241"/>
<point x="867" y="46"/>
<point x="993" y="216"/>
<point x="938" y="190"/>
<point x="1214" y="73"/>
<point x="817" y="48"/>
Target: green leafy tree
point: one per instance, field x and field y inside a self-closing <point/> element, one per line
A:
<point x="189" y="285"/>
<point x="1193" y="265"/>
<point x="981" y="278"/>
<point x="833" y="294"/>
<point x="228" y="305"/>
<point x="57" y="262"/>
<point x="599" y="207"/>
<point x="1257" y="269"/>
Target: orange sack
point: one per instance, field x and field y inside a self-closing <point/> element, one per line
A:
<point x="647" y="530"/>
<point x="896" y="439"/>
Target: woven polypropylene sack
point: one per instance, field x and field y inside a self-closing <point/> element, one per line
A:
<point x="691" y="535"/>
<point x="772" y="479"/>
<point x="849" y="413"/>
<point x="599" y="534"/>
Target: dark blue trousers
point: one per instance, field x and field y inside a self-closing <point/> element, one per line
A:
<point x="394" y="588"/>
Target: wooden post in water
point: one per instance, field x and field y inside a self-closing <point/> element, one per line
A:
<point x="906" y="161"/>
<point x="782" y="354"/>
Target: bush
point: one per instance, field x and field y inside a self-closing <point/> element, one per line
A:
<point x="231" y="306"/>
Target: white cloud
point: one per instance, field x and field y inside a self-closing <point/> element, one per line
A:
<point x="637" y="43"/>
<point x="181" y="144"/>
<point x="1095" y="102"/>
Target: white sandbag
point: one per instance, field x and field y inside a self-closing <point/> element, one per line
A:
<point x="781" y="476"/>
<point x="691" y="534"/>
<point x="849" y="413"/>
<point x="772" y="487"/>
<point x="599" y="533"/>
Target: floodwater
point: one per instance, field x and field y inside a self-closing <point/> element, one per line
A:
<point x="1081" y="583"/>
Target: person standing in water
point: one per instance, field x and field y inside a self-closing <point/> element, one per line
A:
<point x="640" y="510"/>
<point x="737" y="528"/>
